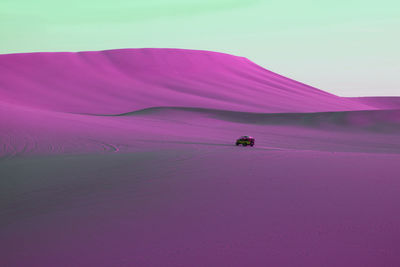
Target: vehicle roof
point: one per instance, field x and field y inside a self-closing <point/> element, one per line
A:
<point x="246" y="136"/>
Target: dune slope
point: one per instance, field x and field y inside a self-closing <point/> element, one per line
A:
<point x="118" y="81"/>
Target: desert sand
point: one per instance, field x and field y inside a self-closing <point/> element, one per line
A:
<point x="127" y="158"/>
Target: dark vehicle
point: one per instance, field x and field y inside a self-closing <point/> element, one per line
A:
<point x="245" y="140"/>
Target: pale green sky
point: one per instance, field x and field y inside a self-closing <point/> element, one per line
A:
<point x="348" y="47"/>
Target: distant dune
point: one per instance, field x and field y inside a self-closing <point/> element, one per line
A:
<point x="380" y="102"/>
<point x="119" y="81"/>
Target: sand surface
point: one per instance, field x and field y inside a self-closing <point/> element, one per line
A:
<point x="127" y="158"/>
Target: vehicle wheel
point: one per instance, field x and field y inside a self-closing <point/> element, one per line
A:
<point x="237" y="144"/>
<point x="252" y="145"/>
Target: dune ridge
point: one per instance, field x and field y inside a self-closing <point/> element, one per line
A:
<point x="120" y="81"/>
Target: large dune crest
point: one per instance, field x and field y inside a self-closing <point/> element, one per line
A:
<point x="120" y="81"/>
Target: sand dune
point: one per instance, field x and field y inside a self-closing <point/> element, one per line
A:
<point x="127" y="158"/>
<point x="38" y="132"/>
<point x="118" y="81"/>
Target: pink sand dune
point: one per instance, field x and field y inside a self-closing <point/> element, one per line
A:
<point x="128" y="158"/>
<point x="118" y="81"/>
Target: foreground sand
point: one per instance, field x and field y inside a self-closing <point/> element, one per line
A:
<point x="201" y="205"/>
<point x="304" y="196"/>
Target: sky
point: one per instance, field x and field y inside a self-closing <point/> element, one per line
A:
<point x="346" y="47"/>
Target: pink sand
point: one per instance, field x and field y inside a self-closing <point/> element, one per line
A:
<point x="119" y="81"/>
<point x="126" y="158"/>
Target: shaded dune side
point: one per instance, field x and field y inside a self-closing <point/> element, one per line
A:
<point x="118" y="81"/>
<point x="379" y="120"/>
<point x="27" y="132"/>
